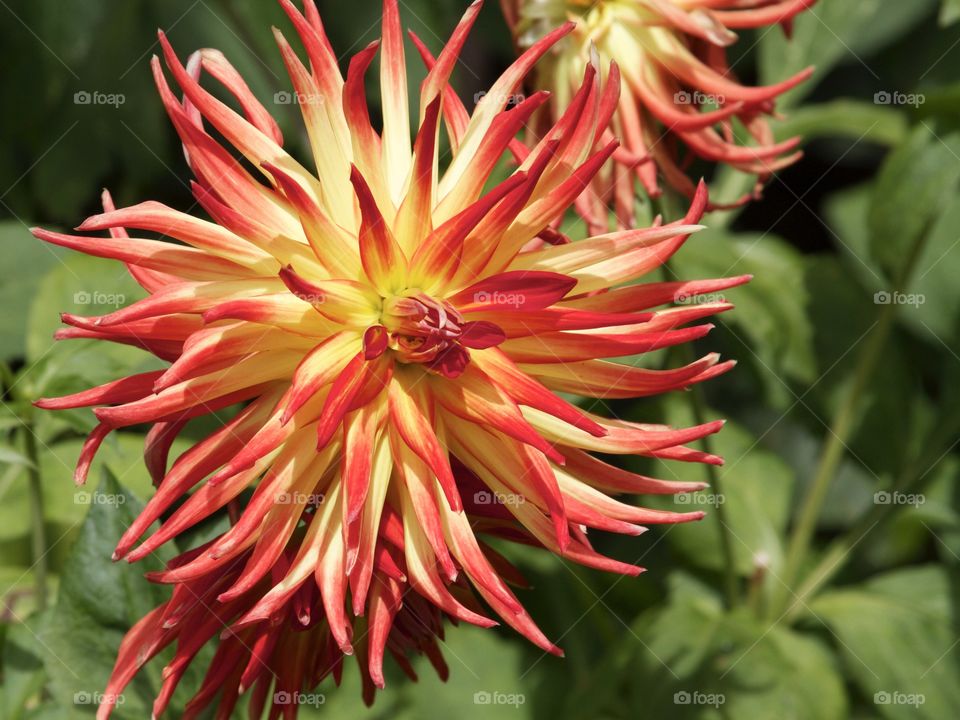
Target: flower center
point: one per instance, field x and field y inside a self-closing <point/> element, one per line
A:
<point x="422" y="329"/>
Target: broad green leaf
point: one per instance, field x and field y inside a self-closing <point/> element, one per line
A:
<point x="23" y="670"/>
<point x="27" y="261"/>
<point x="81" y="285"/>
<point x="486" y="683"/>
<point x="934" y="313"/>
<point x="98" y="601"/>
<point x="852" y="491"/>
<point x="769" y="321"/>
<point x="848" y="118"/>
<point x="835" y="32"/>
<point x="66" y="505"/>
<point x="85" y="286"/>
<point x="911" y="190"/>
<point x="839" y="338"/>
<point x="12" y="456"/>
<point x="847" y="214"/>
<point x="756" y="490"/>
<point x="694" y="662"/>
<point x="949" y="12"/>
<point x="897" y="634"/>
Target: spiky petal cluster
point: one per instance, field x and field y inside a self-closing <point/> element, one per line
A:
<point x="678" y="88"/>
<point x="394" y="333"/>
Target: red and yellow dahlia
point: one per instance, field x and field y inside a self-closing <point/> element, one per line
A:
<point x="678" y="88"/>
<point x="394" y="328"/>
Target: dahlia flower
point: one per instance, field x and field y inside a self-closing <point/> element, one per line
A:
<point x="393" y="328"/>
<point x="678" y="89"/>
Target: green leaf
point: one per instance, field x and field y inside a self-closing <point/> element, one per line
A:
<point x="65" y="505"/>
<point x="85" y="286"/>
<point x="897" y="637"/>
<point x="830" y="33"/>
<point x="769" y="315"/>
<point x="99" y="600"/>
<point x="82" y="285"/>
<point x="852" y="491"/>
<point x="757" y="488"/>
<point x="949" y="12"/>
<point x="847" y="214"/>
<point x="911" y="190"/>
<point x="29" y="260"/>
<point x="482" y="663"/>
<point x="935" y="314"/>
<point x="11" y="456"/>
<point x="23" y="671"/>
<point x="876" y="443"/>
<point x="692" y="661"/>
<point x="850" y="118"/>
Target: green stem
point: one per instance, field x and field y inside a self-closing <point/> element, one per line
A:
<point x="38" y="534"/>
<point x="841" y="429"/>
<point x="730" y="584"/>
<point x="667" y="206"/>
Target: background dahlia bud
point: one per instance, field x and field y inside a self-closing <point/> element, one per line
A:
<point x="678" y="88"/>
<point x="357" y="313"/>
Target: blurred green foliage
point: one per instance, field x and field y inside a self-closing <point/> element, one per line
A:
<point x="863" y="625"/>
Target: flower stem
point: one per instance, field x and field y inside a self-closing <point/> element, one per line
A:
<point x="730" y="584"/>
<point x="667" y="206"/>
<point x="38" y="535"/>
<point x="698" y="405"/>
<point x="841" y="429"/>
